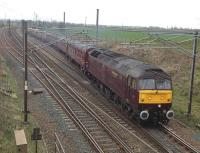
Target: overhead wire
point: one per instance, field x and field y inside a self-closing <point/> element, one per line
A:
<point x="180" y="48"/>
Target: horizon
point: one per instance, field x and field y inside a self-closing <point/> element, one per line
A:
<point x="100" y="25"/>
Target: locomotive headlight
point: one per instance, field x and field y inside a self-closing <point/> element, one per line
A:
<point x="159" y="106"/>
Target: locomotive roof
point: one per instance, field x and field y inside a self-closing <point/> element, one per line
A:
<point x="127" y="65"/>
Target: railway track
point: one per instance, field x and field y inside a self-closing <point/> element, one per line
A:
<point x="60" y="82"/>
<point x="177" y="138"/>
<point x="84" y="119"/>
<point x="173" y="142"/>
<point x="94" y="129"/>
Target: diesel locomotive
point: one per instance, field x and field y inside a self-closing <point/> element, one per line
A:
<point x="142" y="89"/>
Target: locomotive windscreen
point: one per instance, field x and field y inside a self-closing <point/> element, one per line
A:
<point x="152" y="84"/>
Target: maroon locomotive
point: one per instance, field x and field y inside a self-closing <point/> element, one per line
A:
<point x="142" y="89"/>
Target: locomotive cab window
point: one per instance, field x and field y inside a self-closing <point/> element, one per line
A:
<point x="147" y="84"/>
<point x="163" y="84"/>
<point x="151" y="84"/>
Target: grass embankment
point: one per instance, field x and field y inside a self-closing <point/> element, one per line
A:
<point x="11" y="116"/>
<point x="181" y="98"/>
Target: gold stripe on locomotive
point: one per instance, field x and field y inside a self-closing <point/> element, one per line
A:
<point x="155" y="96"/>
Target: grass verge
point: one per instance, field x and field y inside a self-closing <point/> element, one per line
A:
<point x="11" y="114"/>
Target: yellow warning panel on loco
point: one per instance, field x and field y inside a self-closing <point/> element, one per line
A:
<point x="155" y="96"/>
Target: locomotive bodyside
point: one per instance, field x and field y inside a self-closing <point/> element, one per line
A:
<point x="101" y="68"/>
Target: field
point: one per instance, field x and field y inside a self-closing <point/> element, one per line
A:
<point x="171" y="52"/>
<point x="116" y="33"/>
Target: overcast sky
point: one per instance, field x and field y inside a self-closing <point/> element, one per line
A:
<point x="163" y="13"/>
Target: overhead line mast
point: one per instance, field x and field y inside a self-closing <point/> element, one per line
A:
<point x="192" y="73"/>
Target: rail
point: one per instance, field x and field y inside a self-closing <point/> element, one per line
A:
<point x="58" y="145"/>
<point x="178" y="138"/>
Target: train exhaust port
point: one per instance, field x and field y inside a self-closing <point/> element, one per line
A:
<point x="170" y="114"/>
<point x="144" y="115"/>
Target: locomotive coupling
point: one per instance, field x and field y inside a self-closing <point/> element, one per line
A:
<point x="170" y="114"/>
<point x="144" y="115"/>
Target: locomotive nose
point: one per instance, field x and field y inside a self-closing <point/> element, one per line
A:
<point x="170" y="114"/>
<point x="144" y="115"/>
